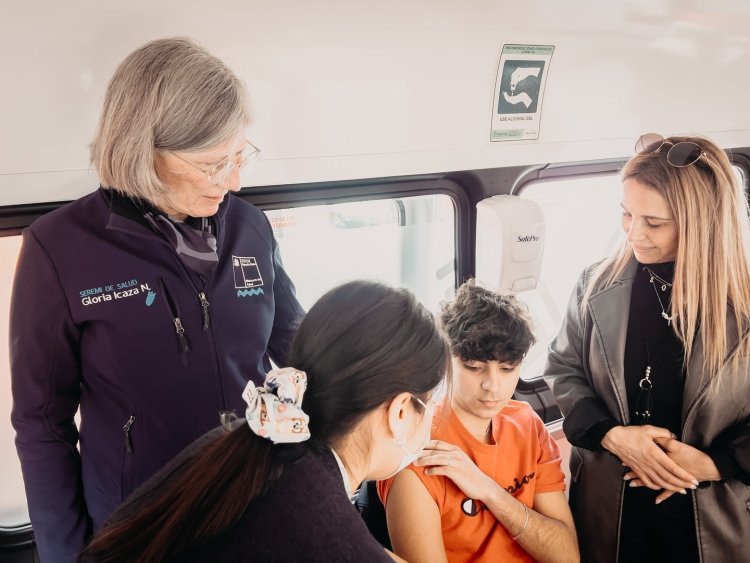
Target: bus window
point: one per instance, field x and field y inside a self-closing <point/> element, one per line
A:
<point x="406" y="242"/>
<point x="582" y="217"/>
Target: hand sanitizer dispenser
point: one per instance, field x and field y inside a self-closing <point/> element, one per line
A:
<point x="510" y="243"/>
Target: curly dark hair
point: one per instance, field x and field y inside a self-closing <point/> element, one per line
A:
<point x="484" y="326"/>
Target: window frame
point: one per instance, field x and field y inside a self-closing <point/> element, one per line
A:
<point x="291" y="196"/>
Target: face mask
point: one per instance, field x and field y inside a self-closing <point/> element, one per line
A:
<point x="411" y="457"/>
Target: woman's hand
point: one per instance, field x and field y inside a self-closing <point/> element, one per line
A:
<point x="691" y="459"/>
<point x="442" y="458"/>
<point x="637" y="448"/>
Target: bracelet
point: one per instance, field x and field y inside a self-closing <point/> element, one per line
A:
<point x="525" y="523"/>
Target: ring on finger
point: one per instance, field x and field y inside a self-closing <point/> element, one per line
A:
<point x="450" y="462"/>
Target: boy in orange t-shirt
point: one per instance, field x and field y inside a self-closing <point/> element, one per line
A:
<point x="489" y="486"/>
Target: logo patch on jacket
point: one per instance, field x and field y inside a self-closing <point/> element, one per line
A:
<point x="247" y="278"/>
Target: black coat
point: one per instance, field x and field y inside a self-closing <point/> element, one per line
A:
<point x="585" y="370"/>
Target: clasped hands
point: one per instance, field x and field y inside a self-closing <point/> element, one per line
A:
<point x="657" y="460"/>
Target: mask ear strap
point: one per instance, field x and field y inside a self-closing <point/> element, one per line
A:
<point x="396" y="411"/>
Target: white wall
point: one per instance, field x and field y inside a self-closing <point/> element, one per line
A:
<point x="347" y="89"/>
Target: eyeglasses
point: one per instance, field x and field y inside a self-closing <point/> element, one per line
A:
<point x="220" y="172"/>
<point x="679" y="154"/>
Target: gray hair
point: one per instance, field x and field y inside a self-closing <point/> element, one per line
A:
<point x="170" y="94"/>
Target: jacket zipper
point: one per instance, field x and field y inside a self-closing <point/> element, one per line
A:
<point x="181" y="339"/>
<point x="179" y="328"/>
<point x="201" y="294"/>
<point x="204" y="307"/>
<point x="126" y="430"/>
<point x="203" y="299"/>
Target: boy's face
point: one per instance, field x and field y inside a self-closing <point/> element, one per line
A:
<point x="482" y="389"/>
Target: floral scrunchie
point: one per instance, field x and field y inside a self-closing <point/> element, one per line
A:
<point x="274" y="411"/>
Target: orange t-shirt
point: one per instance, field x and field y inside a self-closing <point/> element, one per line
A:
<point x="524" y="459"/>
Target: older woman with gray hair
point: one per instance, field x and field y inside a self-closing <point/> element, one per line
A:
<point x="147" y="304"/>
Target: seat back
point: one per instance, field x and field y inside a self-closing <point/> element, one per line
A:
<point x="373" y="512"/>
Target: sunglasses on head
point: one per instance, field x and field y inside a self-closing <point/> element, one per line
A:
<point x="679" y="154"/>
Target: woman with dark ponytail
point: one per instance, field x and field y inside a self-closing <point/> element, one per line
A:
<point x="275" y="486"/>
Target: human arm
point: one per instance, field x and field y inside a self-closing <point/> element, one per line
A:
<point x="588" y="422"/>
<point x="728" y="457"/>
<point x="587" y="418"/>
<point x="414" y="520"/>
<point x="288" y="312"/>
<point x="692" y="459"/>
<point x="548" y="535"/>
<point x="555" y="507"/>
<point x="394" y="556"/>
<point x="640" y="449"/>
<point x="730" y="452"/>
<point x="45" y="377"/>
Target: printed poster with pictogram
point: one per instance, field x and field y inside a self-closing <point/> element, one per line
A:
<point x="519" y="91"/>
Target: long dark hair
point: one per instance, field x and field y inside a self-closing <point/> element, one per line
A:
<point x="361" y="344"/>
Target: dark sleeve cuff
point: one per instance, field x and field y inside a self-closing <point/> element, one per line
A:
<point x="724" y="462"/>
<point x="597" y="432"/>
<point x="730" y="452"/>
<point x="587" y="423"/>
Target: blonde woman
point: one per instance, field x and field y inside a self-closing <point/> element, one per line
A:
<point x="148" y="303"/>
<point x="650" y="367"/>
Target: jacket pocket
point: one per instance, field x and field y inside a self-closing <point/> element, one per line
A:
<point x="126" y="477"/>
<point x="183" y="346"/>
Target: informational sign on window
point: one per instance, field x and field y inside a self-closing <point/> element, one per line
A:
<point x="519" y="92"/>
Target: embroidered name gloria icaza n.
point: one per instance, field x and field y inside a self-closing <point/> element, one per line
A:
<point x="112" y="292"/>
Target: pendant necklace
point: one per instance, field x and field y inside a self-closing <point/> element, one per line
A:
<point x="645" y="401"/>
<point x="664" y="285"/>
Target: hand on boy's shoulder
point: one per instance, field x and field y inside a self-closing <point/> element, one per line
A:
<point x="441" y="458"/>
